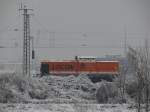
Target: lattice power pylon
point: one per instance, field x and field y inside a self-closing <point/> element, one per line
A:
<point x="26" y="41"/>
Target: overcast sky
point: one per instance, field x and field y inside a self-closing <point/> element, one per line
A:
<point x="65" y="28"/>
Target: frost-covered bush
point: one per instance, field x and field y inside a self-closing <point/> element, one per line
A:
<point x="37" y="89"/>
<point x="71" y="87"/>
<point x="107" y="92"/>
<point x="75" y="89"/>
<point x="19" y="88"/>
<point x="12" y="88"/>
<point x="132" y="88"/>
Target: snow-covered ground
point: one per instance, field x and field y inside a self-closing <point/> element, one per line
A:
<point x="66" y="108"/>
<point x="58" y="94"/>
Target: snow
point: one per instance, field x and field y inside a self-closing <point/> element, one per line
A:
<point x="62" y="94"/>
<point x="75" y="89"/>
<point x="66" y="108"/>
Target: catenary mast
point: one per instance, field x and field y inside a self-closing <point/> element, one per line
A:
<point x="26" y="41"/>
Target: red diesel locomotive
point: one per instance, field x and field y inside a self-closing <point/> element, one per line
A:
<point x="94" y="69"/>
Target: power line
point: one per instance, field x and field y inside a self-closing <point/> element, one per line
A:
<point x="70" y="47"/>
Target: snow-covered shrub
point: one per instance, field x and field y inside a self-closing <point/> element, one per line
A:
<point x="76" y="88"/>
<point x="107" y="92"/>
<point x="12" y="87"/>
<point x="132" y="88"/>
<point x="37" y="89"/>
<point x="19" y="88"/>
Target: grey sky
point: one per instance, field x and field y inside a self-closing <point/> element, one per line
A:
<point x="75" y="27"/>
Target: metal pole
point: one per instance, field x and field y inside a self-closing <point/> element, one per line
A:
<point x="26" y="42"/>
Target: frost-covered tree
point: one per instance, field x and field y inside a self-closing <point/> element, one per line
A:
<point x="139" y="58"/>
<point x="122" y="81"/>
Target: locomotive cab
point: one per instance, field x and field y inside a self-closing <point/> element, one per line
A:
<point x="44" y="69"/>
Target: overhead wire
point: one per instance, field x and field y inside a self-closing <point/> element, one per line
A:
<point x="80" y="34"/>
